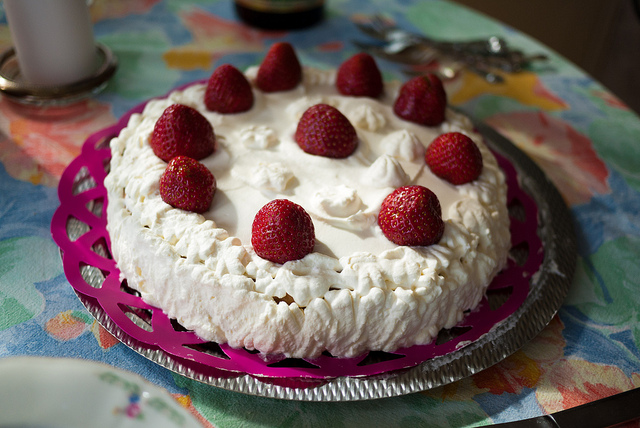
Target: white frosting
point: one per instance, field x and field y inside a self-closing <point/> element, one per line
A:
<point x="272" y="177"/>
<point x="258" y="137"/>
<point x="403" y="145"/>
<point x="357" y="291"/>
<point x="386" y="171"/>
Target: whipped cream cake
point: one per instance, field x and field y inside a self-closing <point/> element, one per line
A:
<point x="356" y="290"/>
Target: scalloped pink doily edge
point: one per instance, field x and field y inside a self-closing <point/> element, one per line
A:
<point x="183" y="345"/>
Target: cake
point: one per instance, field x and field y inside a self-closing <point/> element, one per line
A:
<point x="357" y="288"/>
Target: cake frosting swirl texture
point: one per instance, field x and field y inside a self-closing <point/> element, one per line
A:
<point x="356" y="291"/>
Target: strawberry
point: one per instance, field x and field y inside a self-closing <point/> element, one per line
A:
<point x="187" y="184"/>
<point x="422" y="100"/>
<point x="454" y="157"/>
<point x="411" y="215"/>
<point x="182" y="130"/>
<point x="228" y="91"/>
<point x="359" y="76"/>
<point x="324" y="131"/>
<point x="282" y="231"/>
<point x="280" y="70"/>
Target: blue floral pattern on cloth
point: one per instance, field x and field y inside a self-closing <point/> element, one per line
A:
<point x="579" y="134"/>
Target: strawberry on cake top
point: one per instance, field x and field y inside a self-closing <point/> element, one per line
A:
<point x="293" y="210"/>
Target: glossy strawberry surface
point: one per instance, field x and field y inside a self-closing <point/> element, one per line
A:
<point x="280" y="69"/>
<point x="282" y="231"/>
<point x="324" y="131"/>
<point x="187" y="184"/>
<point x="359" y="76"/>
<point x="182" y="131"/>
<point x="454" y="157"/>
<point x="228" y="91"/>
<point x="422" y="100"/>
<point x="411" y="215"/>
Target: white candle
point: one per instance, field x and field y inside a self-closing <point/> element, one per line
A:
<point x="53" y="40"/>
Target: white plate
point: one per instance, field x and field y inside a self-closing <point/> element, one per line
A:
<point x="39" y="392"/>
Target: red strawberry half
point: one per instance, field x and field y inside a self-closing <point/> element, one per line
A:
<point x="454" y="157"/>
<point x="228" y="91"/>
<point x="280" y="70"/>
<point x="182" y="131"/>
<point x="282" y="231"/>
<point x="187" y="184"/>
<point x="359" y="76"/>
<point x="411" y="215"/>
<point x="422" y="100"/>
<point x="324" y="131"/>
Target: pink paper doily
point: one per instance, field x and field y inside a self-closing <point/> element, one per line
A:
<point x="79" y="229"/>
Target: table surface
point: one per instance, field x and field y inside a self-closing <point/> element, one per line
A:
<point x="582" y="137"/>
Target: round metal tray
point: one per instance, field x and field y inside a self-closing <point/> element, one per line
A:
<point x="546" y="290"/>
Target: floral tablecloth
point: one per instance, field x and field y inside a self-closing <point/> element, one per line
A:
<point x="581" y="135"/>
